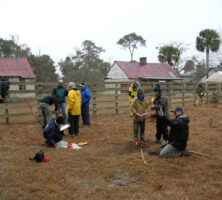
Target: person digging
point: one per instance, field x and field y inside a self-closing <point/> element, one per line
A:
<point x="138" y="107"/>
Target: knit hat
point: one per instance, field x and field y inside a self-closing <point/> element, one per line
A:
<point x="60" y="81"/>
<point x="72" y="85"/>
<point x="157" y="88"/>
<point x="140" y="90"/>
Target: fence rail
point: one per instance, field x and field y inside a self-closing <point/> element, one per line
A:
<point x="110" y="96"/>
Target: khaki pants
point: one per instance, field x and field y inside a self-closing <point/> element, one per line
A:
<point x="199" y="100"/>
<point x="46" y="113"/>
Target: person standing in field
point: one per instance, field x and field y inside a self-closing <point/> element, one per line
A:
<point x="161" y="107"/>
<point x="200" y="94"/>
<point x="179" y="134"/>
<point x="61" y="93"/>
<point x="73" y="108"/>
<point x="138" y="107"/>
<point x="132" y="93"/>
<point x="45" y="104"/>
<point x="85" y="96"/>
<point x="4" y="88"/>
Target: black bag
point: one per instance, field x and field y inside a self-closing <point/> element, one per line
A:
<point x="38" y="156"/>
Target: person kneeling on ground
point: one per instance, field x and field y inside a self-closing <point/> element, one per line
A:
<point x="179" y="134"/>
<point x="52" y="132"/>
<point x="138" y="107"/>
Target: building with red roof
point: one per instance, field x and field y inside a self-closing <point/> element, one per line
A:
<point x="141" y="71"/>
<point x="17" y="70"/>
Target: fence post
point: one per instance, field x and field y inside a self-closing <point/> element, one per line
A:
<point x="6" y="112"/>
<point x="195" y="94"/>
<point x="169" y="88"/>
<point x="183" y="92"/>
<point x="116" y="98"/>
<point x="207" y="95"/>
<point x="94" y="103"/>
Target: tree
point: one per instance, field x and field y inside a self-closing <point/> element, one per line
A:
<point x="86" y="65"/>
<point x="171" y="55"/>
<point x="189" y="66"/>
<point x="43" y="67"/>
<point x="11" y="48"/>
<point x="207" y="40"/>
<point x="131" y="42"/>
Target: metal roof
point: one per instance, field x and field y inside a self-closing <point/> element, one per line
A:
<point x="147" y="71"/>
<point x="16" y="67"/>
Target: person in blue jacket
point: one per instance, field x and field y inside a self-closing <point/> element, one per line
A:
<point x="52" y="132"/>
<point x="86" y="96"/>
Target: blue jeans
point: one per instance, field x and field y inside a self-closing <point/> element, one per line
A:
<point x="85" y="114"/>
<point x="62" y="106"/>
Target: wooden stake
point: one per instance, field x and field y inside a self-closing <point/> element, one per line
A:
<point x="198" y="153"/>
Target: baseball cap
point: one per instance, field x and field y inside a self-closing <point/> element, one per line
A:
<point x="60" y="81"/>
<point x="178" y="108"/>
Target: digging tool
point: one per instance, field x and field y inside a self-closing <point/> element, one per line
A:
<point x="30" y="107"/>
<point x="198" y="153"/>
<point x="144" y="161"/>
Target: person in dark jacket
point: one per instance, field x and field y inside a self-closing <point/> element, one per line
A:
<point x="85" y="96"/>
<point x="161" y="107"/>
<point x="179" y="134"/>
<point x="4" y="87"/>
<point x="61" y="93"/>
<point x="52" y="132"/>
<point x="45" y="104"/>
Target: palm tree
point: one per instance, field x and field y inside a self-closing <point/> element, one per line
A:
<point x="207" y="40"/>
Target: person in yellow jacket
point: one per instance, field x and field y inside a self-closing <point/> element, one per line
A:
<point x="73" y="108"/>
<point x="132" y="93"/>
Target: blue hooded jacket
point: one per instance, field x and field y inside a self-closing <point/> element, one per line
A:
<point x="86" y="96"/>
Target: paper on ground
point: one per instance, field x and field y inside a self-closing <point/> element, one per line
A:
<point x="63" y="127"/>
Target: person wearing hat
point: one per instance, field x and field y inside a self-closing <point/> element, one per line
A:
<point x="200" y="94"/>
<point x="85" y="96"/>
<point x="138" y="107"/>
<point x="61" y="93"/>
<point x="73" y="108"/>
<point x="178" y="136"/>
<point x="52" y="132"/>
<point x="161" y="107"/>
<point x="132" y="93"/>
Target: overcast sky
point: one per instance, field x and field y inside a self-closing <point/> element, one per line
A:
<point x="57" y="27"/>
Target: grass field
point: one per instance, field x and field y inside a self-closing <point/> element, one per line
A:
<point x="110" y="166"/>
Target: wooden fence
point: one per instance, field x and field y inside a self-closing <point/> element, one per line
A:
<point x="109" y="98"/>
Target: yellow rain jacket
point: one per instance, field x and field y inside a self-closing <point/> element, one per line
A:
<point x="74" y="102"/>
<point x="132" y="93"/>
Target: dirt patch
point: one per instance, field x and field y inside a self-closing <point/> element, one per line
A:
<point x="110" y="166"/>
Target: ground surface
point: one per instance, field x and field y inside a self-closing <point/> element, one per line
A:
<point x="110" y="167"/>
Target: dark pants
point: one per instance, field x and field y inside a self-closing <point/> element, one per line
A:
<point x="136" y="126"/>
<point x="161" y="129"/>
<point x="74" y="124"/>
<point x="85" y="114"/>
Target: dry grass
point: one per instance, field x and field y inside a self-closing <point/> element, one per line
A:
<point x="110" y="167"/>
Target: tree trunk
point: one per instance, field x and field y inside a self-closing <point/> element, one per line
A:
<point x="207" y="61"/>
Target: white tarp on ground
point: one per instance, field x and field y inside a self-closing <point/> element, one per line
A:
<point x="217" y="77"/>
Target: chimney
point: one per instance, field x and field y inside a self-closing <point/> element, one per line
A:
<point x="143" y="60"/>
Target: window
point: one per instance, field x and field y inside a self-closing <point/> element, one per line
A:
<point x="21" y="87"/>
